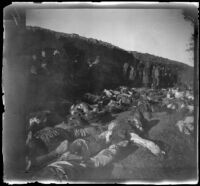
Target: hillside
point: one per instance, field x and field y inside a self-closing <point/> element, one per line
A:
<point x="186" y="71"/>
<point x="156" y="59"/>
<point x="65" y="75"/>
<point x="67" y="72"/>
<point x="70" y="73"/>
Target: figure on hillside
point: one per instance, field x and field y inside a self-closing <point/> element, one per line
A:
<point x="165" y="77"/>
<point x="140" y="72"/>
<point x="168" y="77"/>
<point x="34" y="57"/>
<point x="156" y="76"/>
<point x="170" y="80"/>
<point x="125" y="68"/>
<point x="43" y="53"/>
<point x="132" y="74"/>
<point x="34" y="67"/>
<point x="150" y="75"/>
<point x="44" y="63"/>
<point x="174" y="75"/>
<point x="162" y="71"/>
<point x="145" y="77"/>
<point x="97" y="60"/>
<point x="55" y="52"/>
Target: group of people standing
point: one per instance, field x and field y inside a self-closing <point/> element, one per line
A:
<point x="43" y="60"/>
<point x="149" y="75"/>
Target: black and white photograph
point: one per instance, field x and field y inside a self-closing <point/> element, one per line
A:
<point x="100" y="93"/>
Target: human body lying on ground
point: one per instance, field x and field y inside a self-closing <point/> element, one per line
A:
<point x="93" y="150"/>
<point x="84" y="143"/>
<point x="95" y="145"/>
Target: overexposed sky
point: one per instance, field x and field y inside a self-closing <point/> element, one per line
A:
<point x="162" y="32"/>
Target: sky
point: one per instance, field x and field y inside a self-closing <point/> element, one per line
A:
<point x="161" y="32"/>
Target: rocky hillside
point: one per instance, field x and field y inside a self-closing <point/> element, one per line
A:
<point x="65" y="66"/>
<point x="186" y="71"/>
<point x="41" y="66"/>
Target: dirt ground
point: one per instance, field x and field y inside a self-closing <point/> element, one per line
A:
<point x="139" y="164"/>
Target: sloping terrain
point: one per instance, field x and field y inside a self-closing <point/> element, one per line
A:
<point x="69" y="72"/>
<point x="68" y="78"/>
<point x="138" y="164"/>
<point x="187" y="72"/>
